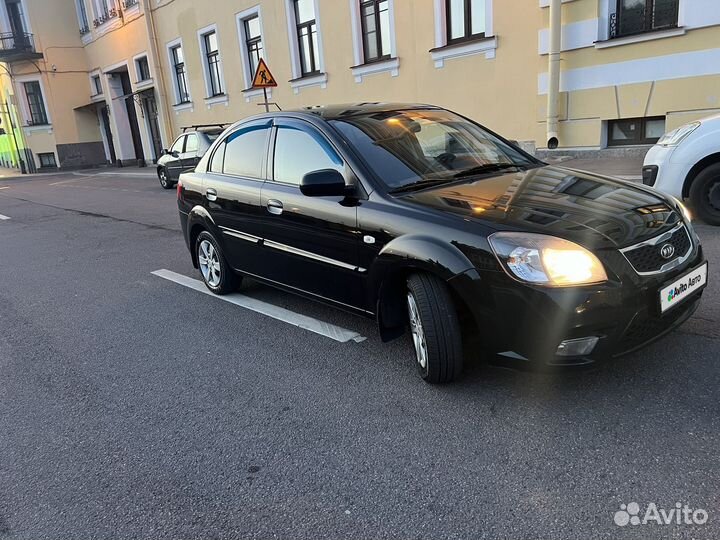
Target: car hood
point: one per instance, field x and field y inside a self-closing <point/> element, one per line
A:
<point x="590" y="209"/>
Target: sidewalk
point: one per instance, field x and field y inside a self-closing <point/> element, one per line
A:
<point x="627" y="168"/>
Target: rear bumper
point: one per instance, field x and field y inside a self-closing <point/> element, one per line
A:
<point x="528" y="323"/>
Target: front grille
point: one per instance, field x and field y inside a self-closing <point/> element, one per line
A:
<point x="649" y="175"/>
<point x="646" y="258"/>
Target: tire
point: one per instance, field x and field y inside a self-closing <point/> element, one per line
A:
<point x="165" y="181"/>
<point x="435" y="329"/>
<point x="218" y="277"/>
<point x="705" y="194"/>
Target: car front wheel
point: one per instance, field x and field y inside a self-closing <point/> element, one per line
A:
<point x="705" y="194"/>
<point x="435" y="329"/>
<point x="216" y="272"/>
<point x="165" y="181"/>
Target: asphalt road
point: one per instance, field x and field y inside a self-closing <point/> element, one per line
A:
<point x="133" y="407"/>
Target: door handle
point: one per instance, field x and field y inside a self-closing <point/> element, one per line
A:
<point x="211" y="194"/>
<point x="275" y="207"/>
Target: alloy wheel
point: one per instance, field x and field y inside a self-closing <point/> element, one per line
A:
<point x="418" y="333"/>
<point x="209" y="261"/>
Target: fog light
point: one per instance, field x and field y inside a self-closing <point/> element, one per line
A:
<point x="577" y="347"/>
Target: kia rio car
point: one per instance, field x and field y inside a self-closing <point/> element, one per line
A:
<point x="421" y="218"/>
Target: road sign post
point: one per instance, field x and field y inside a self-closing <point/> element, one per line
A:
<point x="264" y="79"/>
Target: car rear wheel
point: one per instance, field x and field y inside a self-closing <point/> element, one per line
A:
<point x="165" y="181"/>
<point x="216" y="272"/>
<point x="435" y="329"/>
<point x="705" y="194"/>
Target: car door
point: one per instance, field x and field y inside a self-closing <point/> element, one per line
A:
<point x="173" y="164"/>
<point x="310" y="242"/>
<point x="189" y="157"/>
<point x="235" y="174"/>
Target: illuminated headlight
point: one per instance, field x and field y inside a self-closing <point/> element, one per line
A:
<point x="676" y="136"/>
<point x="546" y="260"/>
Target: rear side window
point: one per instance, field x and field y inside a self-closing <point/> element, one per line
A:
<point x="244" y="151"/>
<point x="298" y="152"/>
<point x="192" y="143"/>
<point x="216" y="163"/>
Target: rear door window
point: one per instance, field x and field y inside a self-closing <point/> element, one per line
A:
<point x="245" y="150"/>
<point x="191" y="146"/>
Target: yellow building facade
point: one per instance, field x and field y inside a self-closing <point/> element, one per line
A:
<point x="118" y="80"/>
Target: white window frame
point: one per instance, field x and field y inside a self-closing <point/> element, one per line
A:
<point x="24" y="107"/>
<point x="209" y="98"/>
<point x="240" y="19"/>
<point x="79" y="16"/>
<point x="607" y="8"/>
<point x="93" y="96"/>
<point x="136" y="67"/>
<point x="361" y="68"/>
<point x="169" y="46"/>
<point x="444" y="51"/>
<point x="298" y="81"/>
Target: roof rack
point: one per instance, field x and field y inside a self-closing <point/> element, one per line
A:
<point x="197" y="126"/>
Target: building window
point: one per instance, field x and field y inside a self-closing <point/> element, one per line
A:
<point x="143" y="69"/>
<point x="375" y="19"/>
<point x="465" y="20"/>
<point x="96" y="85"/>
<point x="82" y="16"/>
<point x="638" y="16"/>
<point x="635" y="131"/>
<point x="47" y="160"/>
<point x="253" y="42"/>
<point x="212" y="59"/>
<point x="306" y="26"/>
<point x="181" y="87"/>
<point x="36" y="105"/>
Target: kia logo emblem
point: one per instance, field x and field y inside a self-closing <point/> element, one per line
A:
<point x="667" y="251"/>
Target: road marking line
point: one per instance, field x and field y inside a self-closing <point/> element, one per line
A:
<point x="337" y="333"/>
<point x="3" y="218"/>
<point x="6" y="187"/>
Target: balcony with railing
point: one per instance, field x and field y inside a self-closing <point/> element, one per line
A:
<point x="17" y="47"/>
<point x="106" y="16"/>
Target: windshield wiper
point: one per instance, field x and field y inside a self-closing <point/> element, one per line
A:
<point x="488" y="167"/>
<point x="421" y="184"/>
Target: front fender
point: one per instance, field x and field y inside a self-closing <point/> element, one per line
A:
<point x="389" y="271"/>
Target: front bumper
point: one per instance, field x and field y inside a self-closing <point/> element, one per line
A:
<point x="528" y="322"/>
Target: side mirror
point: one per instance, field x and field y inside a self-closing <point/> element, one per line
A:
<point x="323" y="183"/>
<point x="164" y="152"/>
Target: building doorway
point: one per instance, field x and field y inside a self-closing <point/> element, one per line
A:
<point x="150" y="111"/>
<point x="105" y="126"/>
<point x="132" y="116"/>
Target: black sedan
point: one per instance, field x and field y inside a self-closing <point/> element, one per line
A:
<point x="421" y="218"/>
<point x="185" y="153"/>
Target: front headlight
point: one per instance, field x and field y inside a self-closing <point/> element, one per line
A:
<point x="676" y="136"/>
<point x="684" y="209"/>
<point x="546" y="260"/>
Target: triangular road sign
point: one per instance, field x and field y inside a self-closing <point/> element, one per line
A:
<point x="263" y="78"/>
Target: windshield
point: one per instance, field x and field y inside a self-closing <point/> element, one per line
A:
<point x="405" y="148"/>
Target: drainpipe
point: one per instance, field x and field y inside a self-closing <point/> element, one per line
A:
<point x="554" y="73"/>
<point x="165" y="125"/>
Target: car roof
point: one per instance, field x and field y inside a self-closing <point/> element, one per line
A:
<point x="343" y="110"/>
<point x="334" y="112"/>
